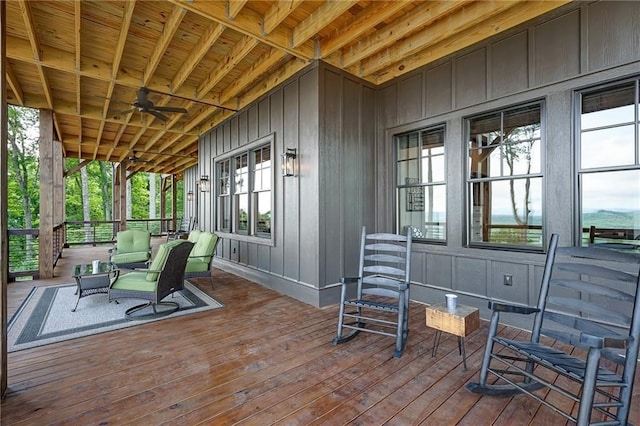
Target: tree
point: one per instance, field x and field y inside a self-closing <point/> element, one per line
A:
<point x="23" y="199"/>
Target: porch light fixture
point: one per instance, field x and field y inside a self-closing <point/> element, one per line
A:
<point x="190" y="196"/>
<point x="204" y="183"/>
<point x="289" y="162"/>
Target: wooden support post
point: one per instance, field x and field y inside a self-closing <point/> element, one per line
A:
<point x="4" y="243"/>
<point x="47" y="195"/>
<point x="120" y="197"/>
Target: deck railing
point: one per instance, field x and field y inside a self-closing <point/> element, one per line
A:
<point x="24" y="244"/>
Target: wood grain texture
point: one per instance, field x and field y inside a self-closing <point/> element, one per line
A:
<point x="264" y="358"/>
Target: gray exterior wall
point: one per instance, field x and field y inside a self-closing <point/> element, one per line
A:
<point x="343" y="130"/>
<point x="328" y="117"/>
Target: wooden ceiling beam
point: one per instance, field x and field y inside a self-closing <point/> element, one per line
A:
<point x="27" y="16"/>
<point x="419" y="17"/>
<point x="76" y="167"/>
<point x="508" y="19"/>
<point x="320" y="18"/>
<point x="204" y="44"/>
<point x="96" y="116"/>
<point x="14" y="84"/>
<point x="168" y="31"/>
<point x="234" y="7"/>
<point x="118" y="51"/>
<point x="462" y="19"/>
<point x="278" y="76"/>
<point x="362" y="23"/>
<point x="117" y="58"/>
<point x="245" y="23"/>
<point x="59" y="60"/>
<point x="277" y="13"/>
<point x="260" y="67"/>
<point x="238" y="52"/>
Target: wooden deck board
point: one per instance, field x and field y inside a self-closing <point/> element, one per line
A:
<point x="264" y="358"/>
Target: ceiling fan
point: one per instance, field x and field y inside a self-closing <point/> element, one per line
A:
<point x="142" y="103"/>
<point x="134" y="158"/>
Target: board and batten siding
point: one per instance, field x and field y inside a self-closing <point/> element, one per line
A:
<point x="576" y="46"/>
<point x="329" y="119"/>
<point x="343" y="130"/>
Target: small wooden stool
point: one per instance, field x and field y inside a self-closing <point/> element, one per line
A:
<point x="460" y="322"/>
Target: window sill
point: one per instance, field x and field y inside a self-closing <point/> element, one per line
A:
<point x="246" y="238"/>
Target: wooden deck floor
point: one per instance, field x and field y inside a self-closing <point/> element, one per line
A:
<point x="262" y="359"/>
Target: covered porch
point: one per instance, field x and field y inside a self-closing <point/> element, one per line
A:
<point x="264" y="358"/>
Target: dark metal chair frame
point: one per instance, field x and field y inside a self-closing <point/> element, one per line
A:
<point x="170" y="279"/>
<point x="383" y="284"/>
<point x="589" y="301"/>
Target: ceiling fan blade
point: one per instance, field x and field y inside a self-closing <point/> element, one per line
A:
<point x="170" y="109"/>
<point x="157" y="114"/>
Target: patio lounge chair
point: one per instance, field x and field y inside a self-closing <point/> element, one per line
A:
<point x="164" y="277"/>
<point x="199" y="262"/>
<point x="132" y="250"/>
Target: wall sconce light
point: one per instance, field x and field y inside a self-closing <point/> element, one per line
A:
<point x="190" y="196"/>
<point x="204" y="183"/>
<point x="289" y="162"/>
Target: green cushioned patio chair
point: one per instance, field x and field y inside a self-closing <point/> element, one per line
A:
<point x="199" y="262"/>
<point x="164" y="277"/>
<point x="133" y="249"/>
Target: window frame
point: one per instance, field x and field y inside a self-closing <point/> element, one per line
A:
<point x="439" y="128"/>
<point x="233" y="232"/>
<point x="503" y="177"/>
<point x="580" y="172"/>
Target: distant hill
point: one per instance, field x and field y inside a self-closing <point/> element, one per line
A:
<point x="611" y="219"/>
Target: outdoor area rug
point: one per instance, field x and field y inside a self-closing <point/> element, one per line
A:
<point x="45" y="315"/>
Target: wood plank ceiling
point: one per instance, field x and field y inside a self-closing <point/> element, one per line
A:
<point x="86" y="60"/>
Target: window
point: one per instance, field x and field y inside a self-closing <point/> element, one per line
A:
<point x="224" y="201"/>
<point x="421" y="184"/>
<point x="505" y="178"/>
<point x="244" y="191"/>
<point x="609" y="164"/>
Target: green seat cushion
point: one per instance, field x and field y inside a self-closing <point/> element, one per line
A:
<point x="161" y="259"/>
<point x="134" y="281"/>
<point x="196" y="265"/>
<point x="142" y="256"/>
<point x="194" y="235"/>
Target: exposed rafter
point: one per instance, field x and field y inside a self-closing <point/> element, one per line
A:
<point x="87" y="60"/>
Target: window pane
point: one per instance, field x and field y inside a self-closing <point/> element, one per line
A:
<point x="507" y="212"/>
<point x="614" y="146"/>
<point x="224" y="210"/>
<point x="425" y="209"/>
<point x="522" y="158"/>
<point x="241" y="174"/>
<point x="608" y="106"/>
<point x="611" y="200"/>
<point x="433" y="156"/>
<point x="408" y="167"/>
<point x="262" y="169"/>
<point x="242" y="212"/>
<point x="263" y="209"/>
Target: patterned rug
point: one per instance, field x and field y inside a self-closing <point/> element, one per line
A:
<point x="45" y="315"/>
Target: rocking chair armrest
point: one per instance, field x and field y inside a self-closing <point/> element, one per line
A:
<point x="601" y="342"/>
<point x="349" y="280"/>
<point x="515" y="309"/>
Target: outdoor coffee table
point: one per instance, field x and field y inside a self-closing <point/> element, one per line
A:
<point x="93" y="282"/>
